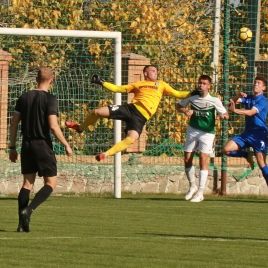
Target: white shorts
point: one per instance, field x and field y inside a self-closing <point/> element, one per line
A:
<point x="198" y="140"/>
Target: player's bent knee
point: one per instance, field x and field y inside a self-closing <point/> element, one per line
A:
<point x="101" y="112"/>
<point x="224" y="151"/>
<point x="51" y="181"/>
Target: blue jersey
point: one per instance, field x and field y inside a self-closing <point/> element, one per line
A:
<point x="255" y="134"/>
<point x="258" y="121"/>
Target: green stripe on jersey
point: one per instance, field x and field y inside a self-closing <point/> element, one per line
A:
<point x="203" y="119"/>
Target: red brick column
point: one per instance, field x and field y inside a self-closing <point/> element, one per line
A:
<point x="133" y="65"/>
<point x="5" y="57"/>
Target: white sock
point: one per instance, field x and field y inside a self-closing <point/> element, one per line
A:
<point x="190" y="174"/>
<point x="203" y="176"/>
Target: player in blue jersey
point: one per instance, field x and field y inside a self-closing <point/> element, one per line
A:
<point x="256" y="130"/>
<point x="201" y="110"/>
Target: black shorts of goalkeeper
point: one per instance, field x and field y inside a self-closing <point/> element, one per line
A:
<point x="129" y="114"/>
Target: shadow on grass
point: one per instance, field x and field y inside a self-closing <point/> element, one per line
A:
<point x="210" y="198"/>
<point x="8" y="198"/>
<point x="204" y="237"/>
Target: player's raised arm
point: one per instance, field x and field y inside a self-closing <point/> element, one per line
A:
<point x="96" y="79"/>
<point x="170" y="91"/>
<point x="248" y="112"/>
<point x="238" y="98"/>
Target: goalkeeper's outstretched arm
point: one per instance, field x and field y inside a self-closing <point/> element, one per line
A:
<point x="182" y="94"/>
<point x="96" y="79"/>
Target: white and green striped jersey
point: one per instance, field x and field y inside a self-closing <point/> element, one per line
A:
<point x="204" y="111"/>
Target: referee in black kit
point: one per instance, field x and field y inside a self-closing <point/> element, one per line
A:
<point x="37" y="110"/>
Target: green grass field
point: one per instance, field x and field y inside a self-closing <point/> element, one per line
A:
<point x="137" y="231"/>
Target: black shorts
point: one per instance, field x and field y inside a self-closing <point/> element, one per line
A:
<point x="128" y="113"/>
<point x="38" y="156"/>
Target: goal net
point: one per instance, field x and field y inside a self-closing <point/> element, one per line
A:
<point x="74" y="56"/>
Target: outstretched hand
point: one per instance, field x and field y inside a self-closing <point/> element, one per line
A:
<point x="96" y="79"/>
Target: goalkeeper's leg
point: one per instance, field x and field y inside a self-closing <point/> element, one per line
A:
<point x="120" y="146"/>
<point x="90" y="119"/>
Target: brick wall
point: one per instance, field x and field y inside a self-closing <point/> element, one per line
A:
<point x="132" y="68"/>
<point x="4" y="62"/>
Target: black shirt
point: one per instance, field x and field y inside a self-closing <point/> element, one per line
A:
<point x="34" y="107"/>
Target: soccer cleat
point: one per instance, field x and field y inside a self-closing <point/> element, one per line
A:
<point x="100" y="157"/>
<point x="20" y="229"/>
<point x="25" y="219"/>
<point x="191" y="192"/>
<point x="73" y="125"/>
<point x="198" y="197"/>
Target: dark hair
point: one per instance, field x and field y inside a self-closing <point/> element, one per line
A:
<point x="44" y="74"/>
<point x="147" y="66"/>
<point x="261" y="78"/>
<point x="205" y="77"/>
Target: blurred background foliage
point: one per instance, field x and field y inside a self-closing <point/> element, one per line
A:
<point x="176" y="35"/>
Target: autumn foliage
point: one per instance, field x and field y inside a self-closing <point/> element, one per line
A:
<point x="177" y="35"/>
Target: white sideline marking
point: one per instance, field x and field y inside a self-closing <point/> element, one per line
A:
<point x="217" y="239"/>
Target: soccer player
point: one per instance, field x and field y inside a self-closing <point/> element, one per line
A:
<point x="147" y="95"/>
<point x="37" y="110"/>
<point x="201" y="110"/>
<point x="256" y="131"/>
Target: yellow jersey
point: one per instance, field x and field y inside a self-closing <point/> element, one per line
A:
<point x="147" y="94"/>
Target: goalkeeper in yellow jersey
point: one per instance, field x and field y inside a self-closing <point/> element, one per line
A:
<point x="147" y="95"/>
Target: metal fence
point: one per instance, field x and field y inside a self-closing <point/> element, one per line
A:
<point x="183" y="38"/>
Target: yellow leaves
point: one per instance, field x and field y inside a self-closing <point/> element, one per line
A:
<point x="48" y="14"/>
<point x="56" y="14"/>
<point x="16" y="51"/>
<point x="133" y="24"/>
<point x="20" y="3"/>
<point x="99" y="26"/>
<point x="264" y="38"/>
<point x="94" y="49"/>
<point x="160" y="29"/>
<point x="114" y="6"/>
<point x="75" y="17"/>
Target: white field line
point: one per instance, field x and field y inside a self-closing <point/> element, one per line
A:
<point x="191" y="205"/>
<point x="162" y="237"/>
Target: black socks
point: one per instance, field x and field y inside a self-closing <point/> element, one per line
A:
<point x="23" y="198"/>
<point x="40" y="197"/>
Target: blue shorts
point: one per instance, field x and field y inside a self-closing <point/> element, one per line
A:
<point x="257" y="140"/>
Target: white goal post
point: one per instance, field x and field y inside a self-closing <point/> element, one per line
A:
<point x="117" y="63"/>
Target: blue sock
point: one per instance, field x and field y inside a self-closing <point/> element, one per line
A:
<point x="265" y="173"/>
<point x="238" y="154"/>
